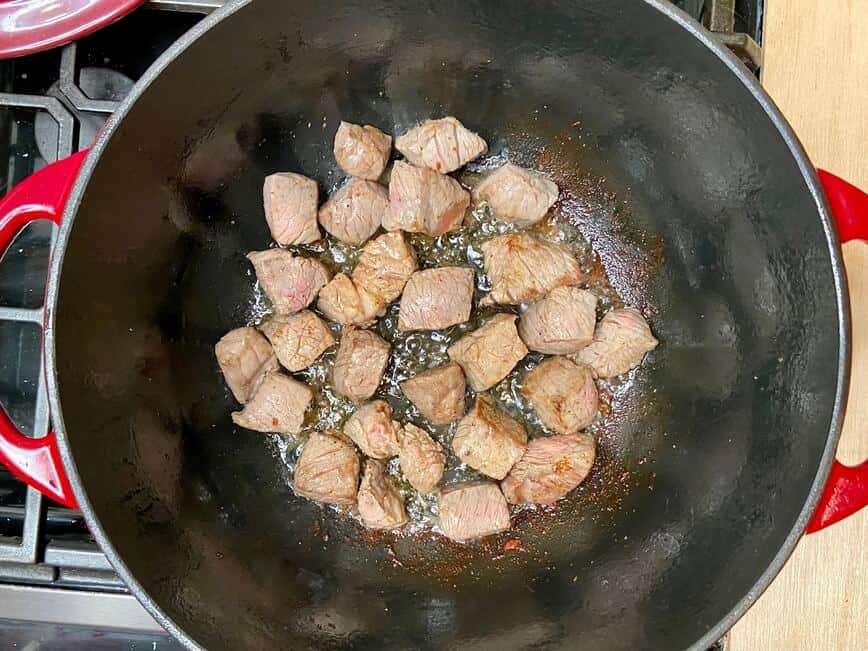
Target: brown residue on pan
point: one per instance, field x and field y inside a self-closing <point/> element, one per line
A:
<point x="628" y="255"/>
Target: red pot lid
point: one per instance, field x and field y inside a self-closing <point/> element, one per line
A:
<point x="28" y="26"/>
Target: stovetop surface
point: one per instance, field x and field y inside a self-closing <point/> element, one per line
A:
<point x="51" y="105"/>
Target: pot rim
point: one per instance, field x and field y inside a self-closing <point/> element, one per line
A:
<point x="809" y="174"/>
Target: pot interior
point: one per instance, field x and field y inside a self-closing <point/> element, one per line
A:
<point x="677" y="177"/>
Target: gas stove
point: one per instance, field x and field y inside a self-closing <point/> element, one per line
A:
<point x="57" y="589"/>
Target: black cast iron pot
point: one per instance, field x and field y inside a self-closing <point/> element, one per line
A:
<point x="708" y="215"/>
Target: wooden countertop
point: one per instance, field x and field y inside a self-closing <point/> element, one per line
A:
<point x="816" y="69"/>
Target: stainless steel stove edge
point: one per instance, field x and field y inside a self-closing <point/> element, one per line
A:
<point x="84" y="608"/>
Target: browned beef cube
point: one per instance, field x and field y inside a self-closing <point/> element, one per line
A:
<point x="355" y="212"/>
<point x="562" y="394"/>
<point x="523" y="268"/>
<point x="443" y="145"/>
<point x="327" y="470"/>
<point x="298" y="339"/>
<point x="421" y="457"/>
<point x="473" y="510"/>
<point x="489" y="440"/>
<point x="278" y="404"/>
<point x="244" y="355"/>
<point x="342" y="301"/>
<point x="436" y="298"/>
<point x="362" y="151"/>
<point x="372" y="429"/>
<point x="620" y="342"/>
<point x="518" y="195"/>
<point x="551" y="467"/>
<point x="290" y="281"/>
<point x="438" y="393"/>
<point x="290" y="208"/>
<point x="385" y="266"/>
<point x="381" y="506"/>
<point x="423" y="201"/>
<point x="360" y="363"/>
<point x="561" y="323"/>
<point x="490" y="352"/>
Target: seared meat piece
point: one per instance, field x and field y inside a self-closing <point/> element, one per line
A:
<point x="385" y="265"/>
<point x="361" y="360"/>
<point x="523" y="268"/>
<point x="443" y="145"/>
<point x="378" y="279"/>
<point x="561" y="323"/>
<point x="518" y="195"/>
<point x="381" y="506"/>
<point x="298" y="339"/>
<point x="551" y="467"/>
<point x="473" y="510"/>
<point x="244" y="355"/>
<point x="620" y="342"/>
<point x="438" y="393"/>
<point x="372" y="429"/>
<point x="327" y="470"/>
<point x="355" y="212"/>
<point x="290" y="281"/>
<point x="562" y="394"/>
<point x="423" y="201"/>
<point x="345" y="303"/>
<point x="489" y="353"/>
<point x="278" y="404"/>
<point x="436" y="298"/>
<point x="362" y="151"/>
<point x="290" y="208"/>
<point x="421" y="457"/>
<point x="489" y="440"/>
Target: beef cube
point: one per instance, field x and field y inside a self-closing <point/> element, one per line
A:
<point x="360" y="363"/>
<point x="523" y="268"/>
<point x="620" y="342"/>
<point x="562" y="323"/>
<point x="518" y="195"/>
<point x="551" y="467"/>
<point x="381" y="506"/>
<point x="327" y="470"/>
<point x="438" y="393"/>
<point x="421" y="457"/>
<point x="342" y="301"/>
<point x="244" y="356"/>
<point x="290" y="208"/>
<point x="355" y="212"/>
<point x="489" y="440"/>
<point x="436" y="298"/>
<point x="278" y="404"/>
<point x="473" y="510"/>
<point x="562" y="394"/>
<point x="443" y="145"/>
<point x="298" y="339"/>
<point x="362" y="151"/>
<point x="423" y="201"/>
<point x="372" y="429"/>
<point x="490" y="352"/>
<point x="290" y="281"/>
<point x="385" y="265"/>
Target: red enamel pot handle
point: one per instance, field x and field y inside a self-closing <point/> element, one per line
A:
<point x="846" y="491"/>
<point x="42" y="195"/>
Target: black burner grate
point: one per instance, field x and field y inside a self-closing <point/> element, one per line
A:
<point x="51" y="105"/>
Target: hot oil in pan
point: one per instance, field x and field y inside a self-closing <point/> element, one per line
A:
<point x="595" y="223"/>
